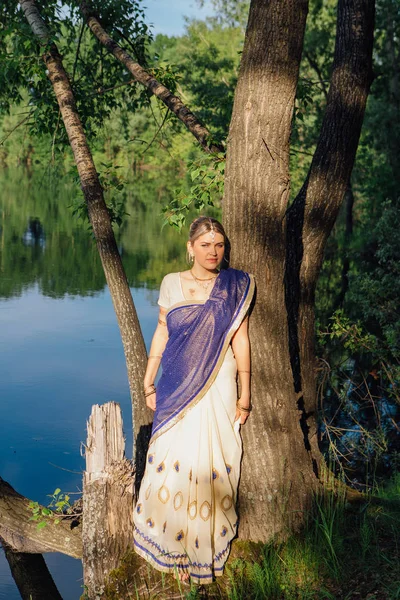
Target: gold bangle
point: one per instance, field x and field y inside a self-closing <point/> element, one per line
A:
<point x="154" y="356"/>
<point x="244" y="408"/>
<point x="244" y="371"/>
<point x="150" y="386"/>
<point x="150" y="393"/>
<point x="162" y="322"/>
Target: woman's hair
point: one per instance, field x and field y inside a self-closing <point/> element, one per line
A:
<point x="204" y="225"/>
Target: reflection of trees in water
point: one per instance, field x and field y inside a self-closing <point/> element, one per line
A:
<point x="34" y="233"/>
<point x="41" y="243"/>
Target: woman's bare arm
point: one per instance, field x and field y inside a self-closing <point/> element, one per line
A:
<point x="241" y="350"/>
<point x="157" y="348"/>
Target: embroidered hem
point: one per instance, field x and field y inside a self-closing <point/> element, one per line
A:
<point x="172" y="562"/>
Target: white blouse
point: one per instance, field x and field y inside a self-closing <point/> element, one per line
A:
<point x="171" y="291"/>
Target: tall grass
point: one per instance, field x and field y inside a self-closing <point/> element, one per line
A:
<point x="340" y="549"/>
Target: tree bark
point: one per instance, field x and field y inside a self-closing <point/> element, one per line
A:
<point x="107" y="498"/>
<point x="132" y="339"/>
<point x="31" y="575"/>
<point x="276" y="478"/>
<point x="175" y="104"/>
<point x="22" y="534"/>
<point x="284" y="248"/>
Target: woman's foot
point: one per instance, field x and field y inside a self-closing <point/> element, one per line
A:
<point x="183" y="576"/>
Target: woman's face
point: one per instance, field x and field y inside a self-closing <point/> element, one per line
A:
<point x="208" y="250"/>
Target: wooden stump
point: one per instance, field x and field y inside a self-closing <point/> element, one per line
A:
<point x="107" y="529"/>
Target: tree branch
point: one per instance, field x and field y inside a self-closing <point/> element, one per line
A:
<point x="22" y="534"/>
<point x="174" y="103"/>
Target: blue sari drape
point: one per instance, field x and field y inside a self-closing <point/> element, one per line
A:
<point x="199" y="335"/>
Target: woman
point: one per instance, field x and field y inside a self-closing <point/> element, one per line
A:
<point x="185" y="517"/>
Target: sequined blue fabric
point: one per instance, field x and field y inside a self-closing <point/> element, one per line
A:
<point x="197" y="336"/>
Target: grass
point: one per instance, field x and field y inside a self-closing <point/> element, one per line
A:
<point x="344" y="553"/>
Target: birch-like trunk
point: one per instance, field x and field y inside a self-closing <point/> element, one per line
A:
<point x="132" y="339"/>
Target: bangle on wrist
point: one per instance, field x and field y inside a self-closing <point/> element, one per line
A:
<point x="246" y="409"/>
<point x="150" y="393"/>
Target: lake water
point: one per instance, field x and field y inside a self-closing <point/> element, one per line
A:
<point x="60" y="348"/>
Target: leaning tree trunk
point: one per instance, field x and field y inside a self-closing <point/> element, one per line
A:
<point x="31" y="575"/>
<point x="281" y="455"/>
<point x="315" y="209"/>
<point x="171" y="101"/>
<point x="132" y="339"/>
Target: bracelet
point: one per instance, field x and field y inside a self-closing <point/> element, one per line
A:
<point x="244" y="371"/>
<point x="150" y="386"/>
<point x="243" y="408"/>
<point x="162" y="322"/>
<point x="154" y="356"/>
<point x="150" y="393"/>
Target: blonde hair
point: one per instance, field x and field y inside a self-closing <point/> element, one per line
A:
<point x="203" y="225"/>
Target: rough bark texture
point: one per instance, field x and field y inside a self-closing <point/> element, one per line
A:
<point x="276" y="478"/>
<point x="107" y="498"/>
<point x="315" y="209"/>
<point x="174" y="103"/>
<point x="132" y="339"/>
<point x="31" y="575"/>
<point x="22" y="535"/>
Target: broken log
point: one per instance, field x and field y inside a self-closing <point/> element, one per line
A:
<point x="107" y="529"/>
<point x="23" y="535"/>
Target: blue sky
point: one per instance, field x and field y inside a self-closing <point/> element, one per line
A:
<point x="167" y="16"/>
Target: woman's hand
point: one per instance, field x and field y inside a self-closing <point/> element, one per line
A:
<point x="242" y="415"/>
<point x="151" y="401"/>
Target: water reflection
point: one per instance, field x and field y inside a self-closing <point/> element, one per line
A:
<point x="60" y="348"/>
<point x="41" y="243"/>
<point x="34" y="234"/>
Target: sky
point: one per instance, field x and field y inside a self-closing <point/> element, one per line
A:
<point x="167" y="16"/>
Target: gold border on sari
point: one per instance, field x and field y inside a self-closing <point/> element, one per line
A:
<point x="233" y="328"/>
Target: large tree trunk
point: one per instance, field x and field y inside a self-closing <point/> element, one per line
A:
<point x="281" y="455"/>
<point x="132" y="339"/>
<point x="276" y="478"/>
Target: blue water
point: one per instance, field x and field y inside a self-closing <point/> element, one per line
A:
<point x="58" y="356"/>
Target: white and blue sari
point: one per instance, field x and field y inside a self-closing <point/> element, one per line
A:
<point x="185" y="516"/>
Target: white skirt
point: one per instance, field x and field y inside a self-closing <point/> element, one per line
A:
<point x="185" y="516"/>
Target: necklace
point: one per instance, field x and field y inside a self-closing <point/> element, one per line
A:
<point x="204" y="283"/>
